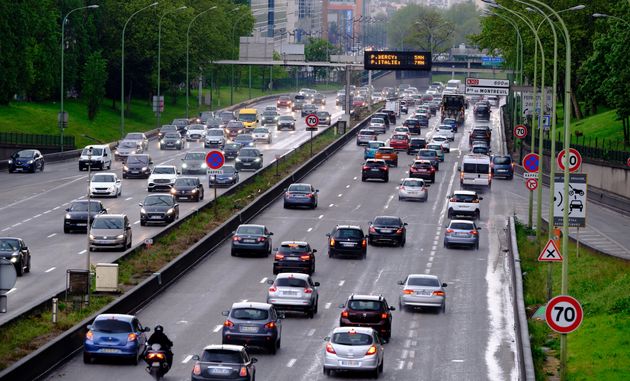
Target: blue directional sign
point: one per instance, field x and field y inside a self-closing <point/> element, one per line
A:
<point x="215" y="159"/>
<point x="491" y="61"/>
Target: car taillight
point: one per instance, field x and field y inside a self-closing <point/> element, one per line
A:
<point x="372" y="230"/>
<point x="364" y="243"/>
<point x="261" y="239"/>
<point x="449" y="230"/>
<point x="399" y="231"/>
<point x="438" y="293"/>
<point x="270" y="325"/>
<point x="407" y="292"/>
<point x="243" y="372"/>
<point x="228" y="323"/>
<point x="273" y="289"/>
<point x="310" y="195"/>
<point x="412" y="169"/>
<point x="473" y="232"/>
<point x="308" y="290"/>
<point x="492" y="165"/>
<point x="305" y="257"/>
<point x="365" y="167"/>
<point x="461" y="175"/>
<point x="385" y="168"/>
<point x="196" y="369"/>
<point x="344" y="314"/>
<point x="475" y="201"/>
<point x="236" y="238"/>
<point x="132" y="337"/>
<point x="89" y="335"/>
<point x="512" y="165"/>
<point x="279" y="257"/>
<point x="332" y="242"/>
<point x="330" y="349"/>
<point x="371" y="350"/>
<point x="384" y="315"/>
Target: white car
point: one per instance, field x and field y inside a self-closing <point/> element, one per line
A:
<point x="443" y="140"/>
<point x="162" y="178"/>
<point x="261" y="134"/>
<point x="446" y="130"/>
<point x="378" y="124"/>
<point x="463" y="203"/>
<point x="413" y="189"/>
<point x="402" y="130"/>
<point x="215" y="138"/>
<point x="105" y="184"/>
<point x="196" y="132"/>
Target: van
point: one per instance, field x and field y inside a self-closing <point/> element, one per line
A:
<point x="454" y="85"/>
<point x="475" y="171"/>
<point x="249" y="117"/>
<point x="97" y="156"/>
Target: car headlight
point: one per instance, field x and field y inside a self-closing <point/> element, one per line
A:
<point x="10" y="161"/>
<point x="120" y="236"/>
<point x="92" y="236"/>
<point x="170" y="211"/>
<point x="143" y="211"/>
<point x="237" y="159"/>
<point x="126" y="168"/>
<point x="173" y="190"/>
<point x="184" y="165"/>
<point x="204" y="165"/>
<point x="162" y="141"/>
<point x="67" y="217"/>
<point x="195" y="190"/>
<point x="230" y="178"/>
<point x="144" y="169"/>
<point x="14" y="259"/>
<point x="212" y="177"/>
<point x="116" y="152"/>
<point x="172" y="181"/>
<point x="178" y="142"/>
<point x="30" y="162"/>
<point x="257" y="159"/>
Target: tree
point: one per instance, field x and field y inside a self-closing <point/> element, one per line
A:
<point x="431" y="32"/>
<point x="94" y="79"/>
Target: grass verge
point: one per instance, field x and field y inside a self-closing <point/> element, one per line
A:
<point x="600" y="348"/>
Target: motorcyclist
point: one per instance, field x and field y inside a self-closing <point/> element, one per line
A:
<point x="159" y="337"/>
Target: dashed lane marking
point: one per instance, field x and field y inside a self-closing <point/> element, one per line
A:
<point x="137" y="222"/>
<point x="5" y="229"/>
<point x="52" y="235"/>
<point x="217" y="328"/>
<point x="128" y="198"/>
<point x="309" y="230"/>
<point x="50" y="269"/>
<point x="263" y="280"/>
<point x="341" y="282"/>
<point x="311" y="332"/>
<point x="291" y="363"/>
<point x="340" y="194"/>
<point x="187" y="358"/>
<point x="327" y="305"/>
<point x="320" y="216"/>
<point x="331" y="205"/>
<point x="56" y="207"/>
<point x="27" y="220"/>
<point x="17" y="224"/>
<point x="82" y="252"/>
<point x="457" y="360"/>
<point x="37" y="215"/>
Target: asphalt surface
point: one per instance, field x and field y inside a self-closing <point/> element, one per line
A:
<point x="473" y="340"/>
<point x="33" y="207"/>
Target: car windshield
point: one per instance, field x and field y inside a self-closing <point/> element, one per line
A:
<point x="168" y="128"/>
<point x="439" y="138"/>
<point x="195" y="156"/>
<point x="351" y="338"/>
<point x="476" y="168"/>
<point x="480" y="149"/>
<point x="367" y="132"/>
<point x="222" y="356"/>
<point x="502" y="160"/>
<point x="250" y="314"/>
<point x="235" y="124"/>
<point x="436" y="147"/>
<point x="174" y="135"/>
<point x="427" y="153"/>
<point x="180" y="122"/>
<point x="461" y="226"/>
<point x="284" y="99"/>
<point x="128" y="144"/>
<point x="421" y="281"/>
<point x="349" y="233"/>
<point x="378" y="121"/>
<point x="323" y="114"/>
<point x="291" y="282"/>
<point x="464" y="197"/>
<point x="95" y="152"/>
<point x="270" y="113"/>
<point x="214" y="122"/>
<point x="185" y="181"/>
<point x="286" y="118"/>
<point x="227" y="116"/>
<point x="375" y="144"/>
<point x="165" y="171"/>
<point x="196" y="127"/>
<point x="300" y="188"/>
<point x="232" y="146"/>
<point x="365" y="305"/>
<point x="399" y="137"/>
<point x="254" y="230"/>
<point x="374" y="163"/>
<point x="261" y="130"/>
<point x="111" y="326"/>
<point x="9" y="244"/>
<point x="293" y="248"/>
<point x="386" y="150"/>
<point x="215" y="133"/>
<point x="107" y="223"/>
<point x="25" y="154"/>
<point x="417" y="142"/>
<point x="386" y="221"/>
<point x="245" y="152"/>
<point x="247" y="117"/>
<point x="158" y="201"/>
<point x="82" y="206"/>
<point x="134" y="136"/>
<point x="103" y="179"/>
<point x="138" y="160"/>
<point x="413" y="183"/>
<point x="421" y="165"/>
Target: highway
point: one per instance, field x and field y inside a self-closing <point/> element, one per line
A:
<point x="473" y="340"/>
<point x="33" y="207"/>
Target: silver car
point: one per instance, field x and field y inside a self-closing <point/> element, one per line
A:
<point x="214" y="138"/>
<point x="294" y="292"/>
<point x="413" y="189"/>
<point x="110" y="231"/>
<point x="462" y="232"/>
<point x="126" y="148"/>
<point x="422" y="290"/>
<point x="353" y="349"/>
<point x="194" y="162"/>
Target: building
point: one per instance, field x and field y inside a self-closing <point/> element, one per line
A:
<point x="343" y="19"/>
<point x="271" y="18"/>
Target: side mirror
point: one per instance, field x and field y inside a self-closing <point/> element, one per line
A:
<point x="225" y="313"/>
<point x="444" y="284"/>
<point x="179" y="172"/>
<point x="146" y="329"/>
<point x="175" y="205"/>
<point x="89" y="326"/>
<point x="105" y="154"/>
<point x="392" y="308"/>
<point x="478" y="228"/>
<point x="67" y="209"/>
<point x="316" y="284"/>
<point x="480" y="198"/>
<point x="342" y="306"/>
<point x="459" y="167"/>
<point x="405" y="224"/>
<point x="140" y="204"/>
<point x="151" y="162"/>
<point x="327" y="338"/>
<point x="254" y="360"/>
<point x="118" y="180"/>
<point x="327" y="234"/>
<point x="269" y="281"/>
<point x="196" y="357"/>
<point x="260" y="155"/>
<point x="314" y="251"/>
<point x="275" y="249"/>
<point x="400" y="283"/>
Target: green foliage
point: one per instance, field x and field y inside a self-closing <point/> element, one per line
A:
<point x="94" y="78"/>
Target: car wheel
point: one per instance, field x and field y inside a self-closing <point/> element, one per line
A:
<point x="142" y="223"/>
<point x="87" y="359"/>
<point x="375" y="373"/>
<point x="380" y="367"/>
<point x="310" y="314"/>
<point x="234" y="253"/>
<point x="362" y="179"/>
<point x="450" y="214"/>
<point x="402" y="243"/>
<point x="444" y="307"/>
<point x="129" y="244"/>
<point x="19" y="269"/>
<point x="42" y="168"/>
<point x="446" y="245"/>
<point x="387" y="179"/>
<point x="477" y="246"/>
<point x="28" y="265"/>
<point x="477" y="214"/>
<point x="327" y="372"/>
<point x="273" y="348"/>
<point x="134" y="359"/>
<point x="66" y="230"/>
<point x="330" y="254"/>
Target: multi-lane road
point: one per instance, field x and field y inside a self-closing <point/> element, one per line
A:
<point x="473" y="340"/>
<point x="33" y="207"/>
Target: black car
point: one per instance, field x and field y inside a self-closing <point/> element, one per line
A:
<point x="368" y="311"/>
<point x="387" y="229"/>
<point x="28" y="160"/>
<point x="221" y="362"/>
<point x="230" y="150"/>
<point x="294" y="257"/>
<point x="159" y="208"/>
<point x="167" y="128"/>
<point x="481" y="111"/>
<point x="375" y="169"/>
<point x="391" y="114"/>
<point x="301" y="195"/>
<point x="16" y="251"/>
<point x="253" y="324"/>
<point x="286" y="122"/>
<point x="347" y="240"/>
<point x="226" y="116"/>
<point x="188" y="188"/>
<point x="228" y="178"/>
<point x="213" y="122"/>
<point x="479" y="133"/>
<point x="76" y="217"/>
<point x="250" y="239"/>
<point x="245" y="140"/>
<point x="423" y="120"/>
<point x="413" y="125"/>
<point x="384" y="116"/>
<point x="181" y="125"/>
<point x="415" y="145"/>
<point x="249" y="158"/>
<point x="171" y="140"/>
<point x="137" y="166"/>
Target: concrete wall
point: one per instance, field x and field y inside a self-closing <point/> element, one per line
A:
<point x="613" y="179"/>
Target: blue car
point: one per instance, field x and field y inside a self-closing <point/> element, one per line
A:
<point x="502" y="166"/>
<point x="451" y="122"/>
<point x="371" y="148"/>
<point x="115" y="336"/>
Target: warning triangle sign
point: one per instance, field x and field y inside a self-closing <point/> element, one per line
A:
<point x="550" y="253"/>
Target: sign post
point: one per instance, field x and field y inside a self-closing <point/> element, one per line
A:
<point x="215" y="161"/>
<point x="311" y="120"/>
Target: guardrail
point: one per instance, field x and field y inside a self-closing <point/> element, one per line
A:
<point x="18" y="138"/>
<point x="57" y="351"/>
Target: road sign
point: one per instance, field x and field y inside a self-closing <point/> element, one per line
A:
<point x="550" y="253"/>
<point x="483" y="82"/>
<point x="215" y="159"/>
<point x="491" y="61"/>
<point x="531" y="184"/>
<point x="546" y="121"/>
<point x="575" y="160"/>
<point x="311" y="120"/>
<point x="628" y="162"/>
<point x="530" y="175"/>
<point x="520" y="131"/>
<point x="487" y="90"/>
<point x="564" y="314"/>
<point x="577" y="200"/>
<point x="527" y="99"/>
<point x="214" y="172"/>
<point x="530" y="162"/>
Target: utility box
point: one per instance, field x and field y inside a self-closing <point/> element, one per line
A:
<point x="106" y="277"/>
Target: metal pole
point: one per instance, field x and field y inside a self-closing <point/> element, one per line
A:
<point x="250" y="81"/>
<point x="188" y="59"/>
<point x="88" y="225"/>
<point x="311" y="142"/>
<point x="216" y="210"/>
<point x="232" y="65"/>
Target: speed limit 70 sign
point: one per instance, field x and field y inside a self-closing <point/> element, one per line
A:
<point x="311" y="120"/>
<point x="574" y="159"/>
<point x="520" y="131"/>
<point x="564" y="314"/>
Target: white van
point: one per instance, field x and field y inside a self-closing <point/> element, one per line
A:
<point x="475" y="171"/>
<point x="101" y="157"/>
<point x="454" y="85"/>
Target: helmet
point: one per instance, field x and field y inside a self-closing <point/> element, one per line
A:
<point x="159" y="328"/>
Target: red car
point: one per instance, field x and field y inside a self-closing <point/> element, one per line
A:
<point x="359" y="102"/>
<point x="284" y="102"/>
<point x="399" y="142"/>
<point x="422" y="169"/>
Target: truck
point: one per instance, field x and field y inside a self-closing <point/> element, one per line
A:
<point x="393" y="104"/>
<point x="454" y="106"/>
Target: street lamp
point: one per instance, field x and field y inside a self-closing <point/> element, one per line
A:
<point x="62" y="118"/>
<point x="122" y="70"/>
<point x="603" y="15"/>
<point x="159" y="58"/>
<point x="88" y="225"/>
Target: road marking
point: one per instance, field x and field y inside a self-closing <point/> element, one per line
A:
<point x="48" y="211"/>
<point x="409" y="365"/>
<point x="401" y="364"/>
<point x="18" y="224"/>
<point x="431" y="259"/>
<point x="65" y="204"/>
<point x="327" y="306"/>
<point x="412" y="353"/>
<point x="457" y="360"/>
<point x="309" y="230"/>
<point x="291" y="363"/>
<point x="429" y="265"/>
<point x="187" y="358"/>
<point x="320" y="216"/>
<point x="391" y="197"/>
<point x="37" y="215"/>
<point x="182" y="322"/>
<point x="404" y="354"/>
<point x="340" y="194"/>
<point x="433" y="247"/>
<point x="137" y="222"/>
<point x="56" y="207"/>
<point x="331" y="205"/>
<point x="263" y="280"/>
<point x="217" y="328"/>
<point x="311" y="332"/>
<point x="5" y="229"/>
<point x="354" y="178"/>
<point x="435" y="242"/>
<point x="244" y="301"/>
<point x="341" y="282"/>
<point x="52" y="235"/>
<point x="128" y="198"/>
<point x="348" y="186"/>
<point x="82" y="252"/>
<point x="27" y="220"/>
<point x="10" y="291"/>
<point x="427" y="271"/>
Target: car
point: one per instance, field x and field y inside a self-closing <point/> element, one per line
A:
<point x="475" y="171"/>
<point x="76" y="217"/>
<point x="479" y="133"/>
<point x="480" y="143"/>
<point x="402" y="130"/>
<point x="463" y="203"/>
<point x="445" y="130"/>
<point x="262" y="134"/>
<point x="388" y="154"/>
<point x="480" y="149"/>
<point x="29" y="160"/>
<point x="450" y="122"/>
<point x="286" y="122"/>
<point x="308" y="109"/>
<point x="384" y="116"/>
<point x="370" y="149"/>
<point x="137" y="166"/>
<point x="115" y="336"/>
<point x="423" y="119"/>
<point x="404" y="109"/>
<point x="347" y="240"/>
<point x="438" y="148"/>
<point x="187" y="188"/>
<point x="493" y="100"/>
<point x="502" y="166"/>
<point x="248" y="158"/>
<point x="366" y="135"/>
<point x="181" y="124"/>
<point x="284" y="102"/>
<point x="413" y="124"/>
<point x="319" y="99"/>
<point x="219" y="362"/>
<point x="227" y="178"/>
<point x="481" y="111"/>
<point x="230" y="150"/>
<point x="301" y="194"/>
<point x="162" y="178"/>
<point x="227" y="117"/>
<point x="422" y="290"/>
<point x="105" y="184"/>
<point x="159" y="208"/>
<point x="576" y="205"/>
<point x="253" y="324"/>
<point x="462" y="233"/>
<point x="196" y="132"/>
<point x="422" y="169"/>
<point x="294" y="256"/>
<point x="391" y="114"/>
<point x="354" y="349"/>
<point x="378" y="125"/>
<point x="431" y="155"/>
<point x="324" y="118"/>
<point x="399" y="141"/>
<point x="443" y="141"/>
<point x="308" y="93"/>
<point x="194" y="162"/>
<point x="245" y="140"/>
<point x="269" y="117"/>
<point x="17" y="252"/>
<point x="171" y="140"/>
<point x="215" y="138"/>
<point x="371" y="311"/>
<point x="298" y="102"/>
<point x="359" y="101"/>
<point x="110" y="231"/>
<point x="388" y="229"/>
<point x="413" y="189"/>
<point x="167" y="128"/>
<point x="294" y="292"/>
<point x="375" y="169"/>
<point x="214" y="122"/>
<point x="251" y="239"/>
<point x="233" y="128"/>
<point x="416" y="144"/>
<point x="140" y="139"/>
<point x="126" y="148"/>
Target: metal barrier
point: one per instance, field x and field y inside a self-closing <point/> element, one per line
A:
<point x="35" y="140"/>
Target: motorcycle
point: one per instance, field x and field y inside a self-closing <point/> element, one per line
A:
<point x="157" y="361"/>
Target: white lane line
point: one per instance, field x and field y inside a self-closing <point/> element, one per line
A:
<point x="137" y="222"/>
<point x="341" y="282"/>
<point x="56" y="207"/>
<point x="37" y="215"/>
<point x="404" y="354"/>
<point x="217" y="328"/>
<point x="340" y="194"/>
<point x="128" y="198"/>
<point x="10" y="291"/>
<point x="52" y="235"/>
<point x="311" y="332"/>
<point x="427" y="271"/>
<point x="429" y="265"/>
<point x="291" y="363"/>
<point x="389" y="200"/>
<point x="354" y="178"/>
<point x="309" y="230"/>
<point x="244" y="301"/>
<point x="27" y="220"/>
<point x="348" y="186"/>
<point x="331" y="205"/>
<point x="48" y="211"/>
<point x="431" y="259"/>
<point x="457" y="360"/>
<point x="82" y="252"/>
<point x="433" y="247"/>
<point x="5" y="229"/>
<point x="65" y="204"/>
<point x="435" y="242"/>
<point x="401" y="364"/>
<point x="320" y="216"/>
<point x="327" y="306"/>
<point x="409" y="365"/>
<point x="18" y="224"/>
<point x="263" y="280"/>
<point x="50" y="269"/>
<point x="187" y="358"/>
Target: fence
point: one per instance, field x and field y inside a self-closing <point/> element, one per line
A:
<point x="35" y="141"/>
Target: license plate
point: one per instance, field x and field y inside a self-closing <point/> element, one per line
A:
<point x="156" y="217"/>
<point x="292" y="258"/>
<point x="386" y="230"/>
<point x="220" y="370"/>
<point x="422" y="292"/>
<point x="184" y="197"/>
<point x="110" y="350"/>
<point x="349" y="363"/>
<point x="347" y="244"/>
<point x="461" y="234"/>
<point x="248" y="329"/>
<point x="155" y="364"/>
<point x="374" y="169"/>
<point x="247" y="164"/>
<point x="249" y="240"/>
<point x="135" y="171"/>
<point x="293" y="293"/>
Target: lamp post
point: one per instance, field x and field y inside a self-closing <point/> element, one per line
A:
<point x="122" y="70"/>
<point x="159" y="59"/>
<point x="62" y="118"/>
<point x="88" y="225"/>
<point x="603" y="15"/>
